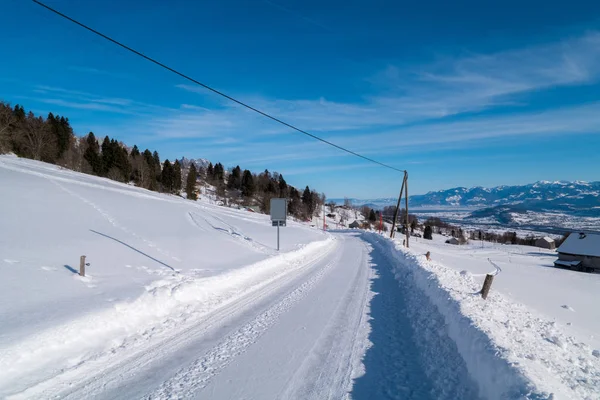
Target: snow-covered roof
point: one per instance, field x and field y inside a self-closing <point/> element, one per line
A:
<point x="547" y="239"/>
<point x="585" y="244"/>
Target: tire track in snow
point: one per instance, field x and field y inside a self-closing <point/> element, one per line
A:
<point x="197" y="375"/>
<point x="339" y="349"/>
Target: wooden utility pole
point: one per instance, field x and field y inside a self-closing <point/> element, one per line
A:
<point x="406" y="197"/>
<point x="393" y="232"/>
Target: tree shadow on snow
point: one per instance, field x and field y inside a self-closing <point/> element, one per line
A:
<point x="393" y="363"/>
<point x="134" y="249"/>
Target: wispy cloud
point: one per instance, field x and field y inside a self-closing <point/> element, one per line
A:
<point x="86" y="105"/>
<point x="449" y="87"/>
<point x="584" y="119"/>
<point x="96" y="71"/>
<point x="77" y="99"/>
<point x="481" y="81"/>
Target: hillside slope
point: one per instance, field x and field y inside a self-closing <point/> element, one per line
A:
<point x="131" y="237"/>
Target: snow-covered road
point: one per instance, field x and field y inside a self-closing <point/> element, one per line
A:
<point x="337" y="325"/>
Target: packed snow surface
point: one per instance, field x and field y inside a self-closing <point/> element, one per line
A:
<point x="187" y="299"/>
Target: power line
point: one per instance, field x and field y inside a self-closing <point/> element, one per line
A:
<point x="264" y="114"/>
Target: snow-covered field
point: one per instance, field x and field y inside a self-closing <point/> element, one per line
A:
<point x="190" y="300"/>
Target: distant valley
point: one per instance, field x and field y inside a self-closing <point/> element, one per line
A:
<point x="541" y="206"/>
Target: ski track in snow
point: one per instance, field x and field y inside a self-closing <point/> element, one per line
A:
<point x="230" y="231"/>
<point x="113" y="221"/>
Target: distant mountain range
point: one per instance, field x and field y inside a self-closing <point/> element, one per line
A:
<point x="199" y="162"/>
<point x="571" y="197"/>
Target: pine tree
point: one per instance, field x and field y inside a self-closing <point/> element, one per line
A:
<point x="247" y="184"/>
<point x="372" y="216"/>
<point x="19" y="113"/>
<point x="210" y="172"/>
<point x="62" y="132"/>
<point x="177" y="177"/>
<point x="157" y="164"/>
<point x="283" y="187"/>
<point x="190" y="187"/>
<point x="167" y="176"/>
<point x="307" y="200"/>
<point x="427" y="234"/>
<point x="218" y="173"/>
<point x="235" y="179"/>
<point x="107" y="156"/>
<point x="151" y="181"/>
<point x="135" y="151"/>
<point x="271" y="187"/>
<point x="92" y="154"/>
<point x="122" y="163"/>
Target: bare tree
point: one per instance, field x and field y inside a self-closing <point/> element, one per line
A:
<point x="365" y="211"/>
<point x="7" y="118"/>
<point x="36" y="139"/>
<point x="144" y="172"/>
<point x="73" y="156"/>
<point x="331" y="206"/>
<point x="347" y="203"/>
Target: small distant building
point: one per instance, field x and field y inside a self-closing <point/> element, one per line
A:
<point x="580" y="251"/>
<point x="545" y="243"/>
<point x="452" y="241"/>
<point x="354" y="225"/>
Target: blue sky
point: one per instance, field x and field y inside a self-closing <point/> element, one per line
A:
<point x="460" y="93"/>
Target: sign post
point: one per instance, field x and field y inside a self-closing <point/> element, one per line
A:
<point x="278" y="214"/>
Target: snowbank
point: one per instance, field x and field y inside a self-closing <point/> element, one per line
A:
<point x="508" y="351"/>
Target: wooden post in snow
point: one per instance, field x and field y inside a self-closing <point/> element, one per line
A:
<point x="487" y="284"/>
<point x="82" y="265"/>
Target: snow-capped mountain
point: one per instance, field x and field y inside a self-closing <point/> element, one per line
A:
<point x="578" y="194"/>
<point x="558" y="194"/>
<point x="198" y="162"/>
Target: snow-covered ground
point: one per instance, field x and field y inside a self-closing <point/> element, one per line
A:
<point x="190" y="300"/>
<point x="147" y="253"/>
<point x="542" y="320"/>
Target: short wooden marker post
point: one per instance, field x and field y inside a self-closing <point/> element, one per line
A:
<point x="487" y="284"/>
<point x="82" y="265"/>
